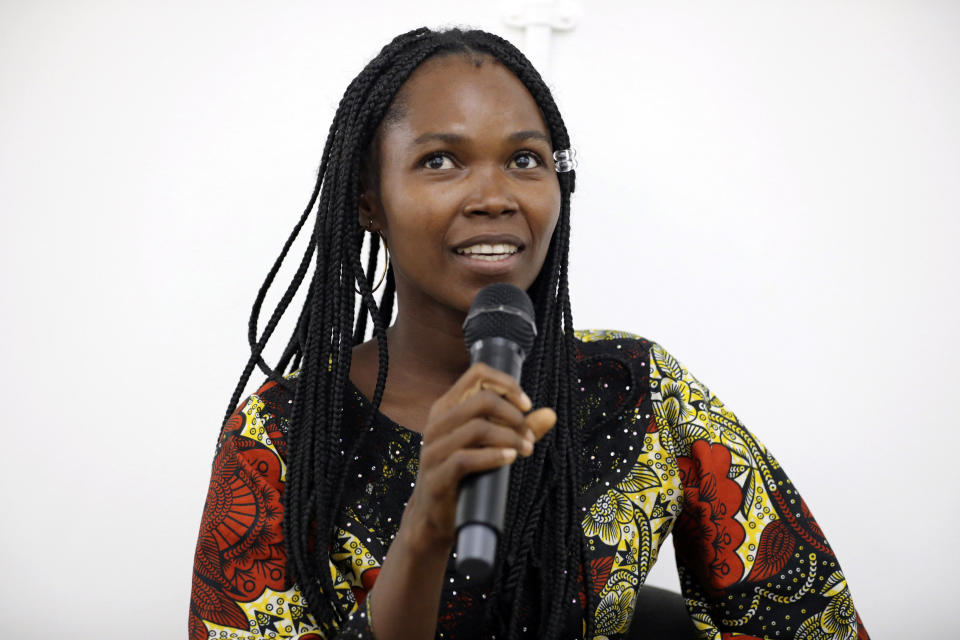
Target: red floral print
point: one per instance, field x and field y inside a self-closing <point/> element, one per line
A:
<point x="707" y="536"/>
<point x="368" y="579"/>
<point x="240" y="547"/>
<point x="777" y="545"/>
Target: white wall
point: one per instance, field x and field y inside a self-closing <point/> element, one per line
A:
<point x="769" y="189"/>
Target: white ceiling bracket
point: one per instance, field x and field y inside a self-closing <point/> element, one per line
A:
<point x="540" y="18"/>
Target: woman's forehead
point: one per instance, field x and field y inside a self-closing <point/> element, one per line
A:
<point x="464" y="91"/>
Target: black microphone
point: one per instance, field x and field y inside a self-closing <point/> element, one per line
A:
<point x="499" y="331"/>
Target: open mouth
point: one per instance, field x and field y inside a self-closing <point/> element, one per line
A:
<point x="489" y="252"/>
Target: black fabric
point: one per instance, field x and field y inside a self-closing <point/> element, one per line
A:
<point x="660" y="615"/>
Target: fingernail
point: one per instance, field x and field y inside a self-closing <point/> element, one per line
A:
<point x="526" y="400"/>
<point x="527" y="448"/>
<point x="509" y="455"/>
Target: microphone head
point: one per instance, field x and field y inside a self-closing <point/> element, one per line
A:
<point x="501" y="310"/>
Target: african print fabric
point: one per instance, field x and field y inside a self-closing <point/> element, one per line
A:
<point x="662" y="455"/>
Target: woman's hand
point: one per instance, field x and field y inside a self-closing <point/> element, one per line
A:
<point x="479" y="424"/>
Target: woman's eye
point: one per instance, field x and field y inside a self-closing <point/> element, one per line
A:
<point x="525" y="160"/>
<point x="438" y="161"/>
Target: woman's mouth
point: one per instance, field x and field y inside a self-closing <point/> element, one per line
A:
<point x="489" y="252"/>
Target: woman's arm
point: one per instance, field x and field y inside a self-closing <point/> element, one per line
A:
<point x="240" y="586"/>
<point x="751" y="557"/>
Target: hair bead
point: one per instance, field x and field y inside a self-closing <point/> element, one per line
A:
<point x="565" y="160"/>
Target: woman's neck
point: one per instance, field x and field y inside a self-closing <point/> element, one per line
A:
<point x="426" y="356"/>
<point x="427" y="350"/>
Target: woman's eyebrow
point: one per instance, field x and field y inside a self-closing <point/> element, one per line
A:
<point x="531" y="134"/>
<point x="449" y="138"/>
<point x="456" y="138"/>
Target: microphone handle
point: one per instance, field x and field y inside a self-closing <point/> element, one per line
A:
<point x="482" y="503"/>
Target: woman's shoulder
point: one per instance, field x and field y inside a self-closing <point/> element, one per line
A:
<point x="626" y="369"/>
<point x="613" y="373"/>
<point x="260" y="423"/>
<point x="602" y="351"/>
<point x="621" y="345"/>
<point x="608" y="352"/>
<point x="624" y="346"/>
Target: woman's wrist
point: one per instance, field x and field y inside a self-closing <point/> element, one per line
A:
<point x="405" y="600"/>
<point x="420" y="537"/>
<point x="422" y="541"/>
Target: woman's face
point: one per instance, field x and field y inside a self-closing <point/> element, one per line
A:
<point x="467" y="194"/>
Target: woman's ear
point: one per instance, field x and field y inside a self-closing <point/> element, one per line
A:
<point x="369" y="212"/>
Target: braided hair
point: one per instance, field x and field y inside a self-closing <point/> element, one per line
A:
<point x="542" y="500"/>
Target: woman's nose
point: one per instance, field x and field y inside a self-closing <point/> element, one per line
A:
<point x="492" y="194"/>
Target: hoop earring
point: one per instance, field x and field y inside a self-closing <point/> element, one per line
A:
<point x="386" y="267"/>
<point x="386" y="264"/>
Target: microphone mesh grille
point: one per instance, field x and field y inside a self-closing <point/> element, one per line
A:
<point x="501" y="310"/>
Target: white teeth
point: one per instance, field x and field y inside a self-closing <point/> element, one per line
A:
<point x="494" y="258"/>
<point x="489" y="252"/>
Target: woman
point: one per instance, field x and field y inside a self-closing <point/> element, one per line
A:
<point x="331" y="507"/>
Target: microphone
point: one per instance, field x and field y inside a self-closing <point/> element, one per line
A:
<point x="499" y="331"/>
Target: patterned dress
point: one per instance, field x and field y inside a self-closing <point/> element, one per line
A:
<point x="662" y="455"/>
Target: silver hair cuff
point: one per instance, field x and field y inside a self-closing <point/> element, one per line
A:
<point x="565" y="160"/>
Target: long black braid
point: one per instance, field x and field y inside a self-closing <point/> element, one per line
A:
<point x="542" y="501"/>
